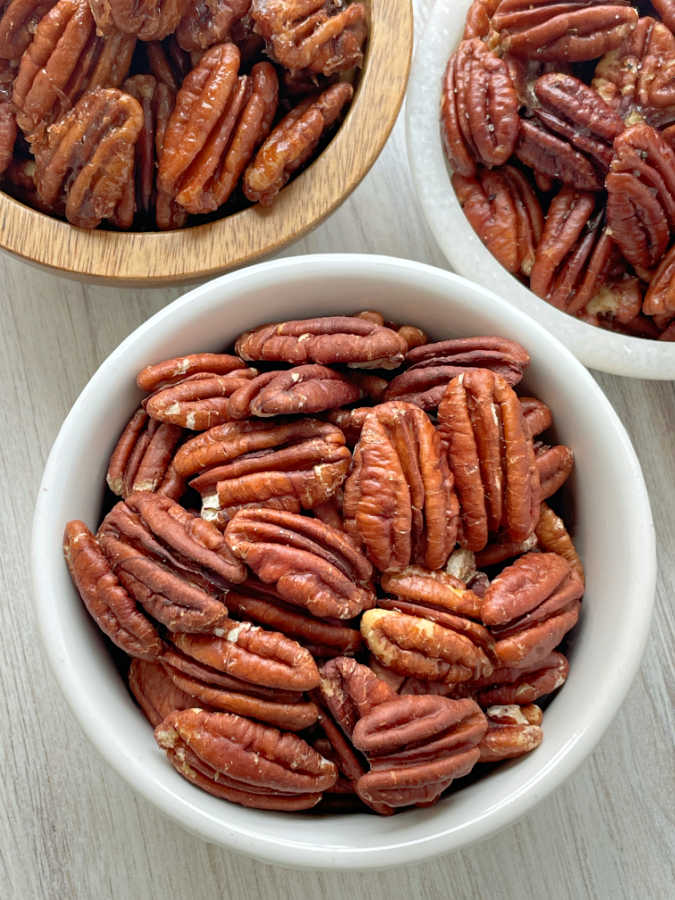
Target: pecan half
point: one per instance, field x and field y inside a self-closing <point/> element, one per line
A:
<point x="167" y="62"/>
<point x="555" y="157"/>
<point x="156" y="694"/>
<point x="518" y="685"/>
<point x="199" y="402"/>
<point x="478" y="17"/>
<point x="536" y="414"/>
<point x="243" y="761"/>
<point x="502" y="548"/>
<point x="437" y="591"/>
<point x="106" y="600"/>
<point x="142" y="458"/>
<point x="399" y="499"/>
<point x="411" y="334"/>
<point x="18" y="22"/>
<point x="554" y="465"/>
<point x="171" y="371"/>
<point x="660" y="297"/>
<point x="208" y="22"/>
<point x="293" y="142"/>
<point x="479" y="109"/>
<point x="149" y="20"/>
<point x="491" y="457"/>
<point x="349" y="421"/>
<point x="351" y="690"/>
<point x="512" y="731"/>
<point x="553" y="537"/>
<point x="309" y="563"/>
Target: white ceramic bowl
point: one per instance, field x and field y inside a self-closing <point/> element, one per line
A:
<point x="595" y="347"/>
<point x="607" y="491"/>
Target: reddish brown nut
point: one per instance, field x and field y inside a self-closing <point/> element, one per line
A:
<point x="87" y="158"/>
<point x="310" y="564"/>
<point x="351" y="690"/>
<point x="618" y="302"/>
<point x="666" y="10"/>
<point x="312" y="36"/>
<point x="668" y="334"/>
<point x="243" y="761"/>
<point x="537" y="415"/>
<point x="149" y="20"/>
<point x="330" y="511"/>
<point x="18" y="22"/>
<point x="516" y="685"/>
<point x="156" y="694"/>
<point x="439" y="591"/>
<point x="293" y="142"/>
<point x="411" y="334"/>
<point x="491" y="456"/>
<point x="530" y="606"/>
<point x="512" y="731"/>
<point x="555" y="157"/>
<point x="7" y="135"/>
<point x="502" y="548"/>
<point x="478" y="18"/>
<point x="349" y="421"/>
<point x="399" y="499"/>
<point x="479" y="109"/>
<point x="553" y="537"/>
<point x="566" y="32"/>
<point x="199" y="402"/>
<point x="142" y="458"/>
<point x="65" y="59"/>
<point x="171" y="371"/>
<point x="300" y="390"/>
<point x="208" y="22"/>
<point x="660" y="297"/>
<point x="106" y="600"/>
<point x="554" y="465"/>
<point x="167" y="62"/>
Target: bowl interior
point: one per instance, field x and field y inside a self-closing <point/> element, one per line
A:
<point x="607" y="489"/>
<point x="595" y="347"/>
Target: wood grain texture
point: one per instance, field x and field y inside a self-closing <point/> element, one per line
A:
<point x="70" y="828"/>
<point x="180" y="256"/>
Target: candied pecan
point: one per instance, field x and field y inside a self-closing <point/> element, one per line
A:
<point x="351" y="690"/>
<point x="666" y="11"/>
<point x="316" y="36"/>
<point x="439" y="591"/>
<point x="641" y="195"/>
<point x="536" y="415"/>
<point x="19" y="182"/>
<point x="167" y="62"/>
<point x="414" y="646"/>
<point x="523" y="685"/>
<point x="660" y="297"/>
<point x="18" y="22"/>
<point x="478" y="17"/>
<point x="198" y="402"/>
<point x="570" y="32"/>
<point x="530" y="606"/>
<point x="309" y="563"/>
<point x="550" y="155"/>
<point x="479" y="109"/>
<point x="552" y="536"/>
<point x="7" y="135"/>
<point x="512" y="731"/>
<point x="292" y="142"/>
<point x="64" y="60"/>
<point x="554" y="465"/>
<point x="156" y="694"/>
<point x="250" y="44"/>
<point x="142" y="458"/>
<point x="148" y="20"/>
<point x="399" y="499"/>
<point x="491" y="456"/>
<point x="208" y="22"/>
<point x="171" y="371"/>
<point x="243" y="761"/>
<point x="87" y="157"/>
<point x="106" y="600"/>
<point x="503" y="548"/>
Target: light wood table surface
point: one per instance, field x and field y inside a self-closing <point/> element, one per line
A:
<point x="71" y="829"/>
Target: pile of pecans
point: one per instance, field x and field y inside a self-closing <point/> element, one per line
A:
<point x="145" y="114"/>
<point x="337" y="574"/>
<point x="558" y="121"/>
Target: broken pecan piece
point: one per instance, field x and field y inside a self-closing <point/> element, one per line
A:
<point x="142" y="458"/>
<point x="512" y="731"/>
<point x="554" y="465"/>
<point x="198" y="402"/>
<point x="208" y="22"/>
<point x="536" y="414"/>
<point x="553" y="537"/>
<point x="148" y="20"/>
<point x="502" y="548"/>
<point x="156" y="694"/>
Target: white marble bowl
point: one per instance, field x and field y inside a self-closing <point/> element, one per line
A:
<point x="595" y="347"/>
<point x="613" y="531"/>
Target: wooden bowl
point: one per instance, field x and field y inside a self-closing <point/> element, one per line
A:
<point x="155" y="258"/>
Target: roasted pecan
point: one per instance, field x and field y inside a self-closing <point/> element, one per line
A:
<point x="567" y="32"/>
<point x="530" y="606"/>
<point x="167" y="62"/>
<point x="7" y="135"/>
<point x="512" y="731"/>
<point x="536" y="414"/>
<point x="555" y="465"/>
<point x="555" y="157"/>
<point x="65" y="59"/>
<point x="156" y="694"/>
<point x="553" y="537"/>
<point x="243" y="761"/>
<point x="292" y="143"/>
<point x="199" y="402"/>
<point x="87" y="157"/>
<point x="522" y="685"/>
<point x="321" y="37"/>
<point x="502" y="548"/>
<point x="479" y="109"/>
<point x="171" y="371"/>
<point x="437" y="591"/>
<point x="660" y="297"/>
<point x="491" y="456"/>
<point x="641" y="195"/>
<point x="142" y="458"/>
<point x="477" y="23"/>
<point x="399" y="499"/>
<point x="149" y="20"/>
<point x="208" y="22"/>
<point x="107" y="601"/>
<point x="18" y="22"/>
<point x="310" y="564"/>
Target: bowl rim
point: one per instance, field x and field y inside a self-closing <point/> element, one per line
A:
<point x="615" y="353"/>
<point x="157" y="258"/>
<point x="92" y="719"/>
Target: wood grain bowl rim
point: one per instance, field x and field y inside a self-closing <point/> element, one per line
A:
<point x="189" y="254"/>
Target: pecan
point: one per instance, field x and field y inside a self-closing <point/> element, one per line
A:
<point x="87" y="157"/>
<point x="512" y="731"/>
<point x="309" y="563"/>
<point x="316" y="36"/>
<point x="167" y="62"/>
<point x="243" y="761"/>
<point x="666" y="11"/>
<point x="142" y="458"/>
<point x="18" y="22"/>
<point x="399" y="499"/>
<point x="411" y="334"/>
<point x="106" y="600"/>
<point x="156" y="694"/>
<point x="461" y="565"/>
<point x="491" y="457"/>
<point x="479" y="109"/>
<point x="553" y="537"/>
<point x="199" y="402"/>
<point x="641" y="195"/>
<point x="668" y="333"/>
<point x="288" y="465"/>
<point x="553" y="156"/>
<point x="569" y="32"/>
<point x="478" y="17"/>
<point x="19" y="182"/>
<point x="349" y="421"/>
<point x="419" y="647"/>
<point x="530" y="606"/>
<point x="208" y="22"/>
<point x="517" y="685"/>
<point x="64" y="60"/>
<point x="437" y="591"/>
<point x="617" y="302"/>
<point x="171" y="371"/>
<point x="555" y="465"/>
<point x="149" y="20"/>
<point x="536" y="414"/>
<point x="330" y="511"/>
<point x="351" y="690"/>
<point x="292" y="143"/>
<point x="660" y="297"/>
<point x="250" y="44"/>
<point x="7" y="135"/>
<point x="503" y="548"/>
<point x="505" y="214"/>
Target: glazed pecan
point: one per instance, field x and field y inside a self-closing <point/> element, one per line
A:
<point x="18" y="22"/>
<point x="87" y="157"/>
<point x="208" y="22"/>
<point x="64" y="60"/>
<point x="156" y="694"/>
<point x="505" y="214"/>
<point x="666" y="11"/>
<point x="142" y="458"/>
<point x="7" y="135"/>
<point x="310" y="564"/>
<point x="641" y="195"/>
<point x="288" y="465"/>
<point x="568" y="32"/>
<point x="512" y="731"/>
<point x="437" y="591"/>
<point x="167" y="62"/>
<point x="316" y="36"/>
<point x="399" y="499"/>
<point x="477" y="23"/>
<point x="555" y="157"/>
<point x="553" y="537"/>
<point x="292" y="143"/>
<point x="243" y="761"/>
<point x="171" y="371"/>
<point x="199" y="402"/>
<point x="530" y="606"/>
<point x="522" y="685"/>
<point x="491" y="456"/>
<point x="536" y="414"/>
<point x="479" y="109"/>
<point x="660" y="297"/>
<point x="106" y="600"/>
<point x="148" y="20"/>
<point x="554" y="465"/>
